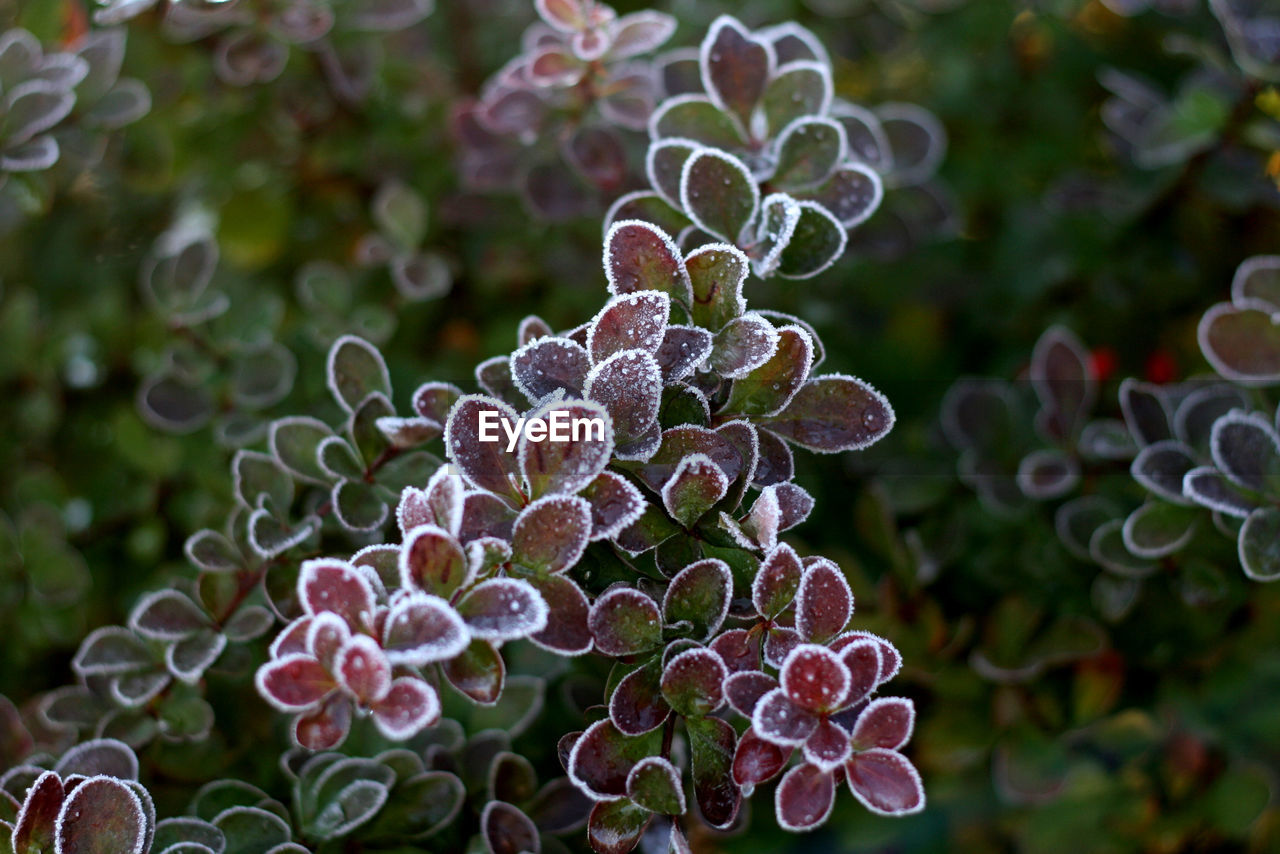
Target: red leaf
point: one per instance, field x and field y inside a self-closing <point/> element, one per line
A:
<point x="814" y="678"/>
<point x="885" y="722"/>
<point x="603" y="757"/>
<point x="757" y="761"/>
<point x="885" y="782"/>
<point x="364" y="670"/>
<point x="506" y="830"/>
<point x="700" y="594"/>
<point x="712" y="743"/>
<point x="778" y="644"/>
<point x="777" y="582"/>
<point x="745" y="689"/>
<point x="615" y="827"/>
<point x="738" y="649"/>
<point x="338" y="587"/>
<point x="781" y="721"/>
<point x="629" y="385"/>
<point x="503" y="609"/>
<point x="828" y="746"/>
<point x="102" y="814"/>
<point x="486" y="464"/>
<point x="735" y="66"/>
<point x="637" y="705"/>
<point x="421" y="629"/>
<point x="824" y="602"/>
<point x="863" y="660"/>
<point x="834" y="413"/>
<point x="890" y="658"/>
<point x="555" y="466"/>
<point x="292" y="639"/>
<point x="692" y="682"/>
<point x="410" y="706"/>
<point x="325" y="728"/>
<point x="548" y="365"/>
<point x="432" y="561"/>
<point x="552" y="533"/>
<point x="567" y="631"/>
<point x="615" y="504"/>
<point x="33" y="830"/>
<point x="479" y="672"/>
<point x="326" y="636"/>
<point x="632" y="321"/>
<point x="641" y="257"/>
<point x="805" y="797"/>
<point x="293" y="683"/>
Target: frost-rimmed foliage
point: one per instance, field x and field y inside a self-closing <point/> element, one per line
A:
<point x="252" y="39"/>
<point x="56" y="107"/>
<point x="556" y="121"/>
<point x="750" y="147"/>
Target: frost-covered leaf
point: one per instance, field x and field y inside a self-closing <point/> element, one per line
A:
<point x="886" y="722"/>
<point x="716" y="272"/>
<point x="1259" y="544"/>
<point x="809" y="149"/>
<point x="578" y="442"/>
<point x="834" y="413"/>
<point x="546" y="365"/>
<point x="629" y="386"/>
<point x="852" y="194"/>
<point x="100" y="756"/>
<point x="742" y="345"/>
<point x="1157" y="529"/>
<point x="625" y="621"/>
<point x="478" y="672"/>
<point x="695" y="117"/>
<point x="757" y="761"/>
<point x="885" y="782"/>
<point x="735" y="67"/>
<point x="654" y="783"/>
<point x="680" y="442"/>
<point x="111" y="649"/>
<point x="683" y="349"/>
<point x="631" y="321"/>
<point x="664" y="161"/>
<point x="697" y="484"/>
<point x="1047" y="473"/>
<point x="409" y="706"/>
<point x="719" y="193"/>
<point x="338" y="587"/>
<point x="294" y="682"/>
<point x="804" y="797"/>
<point x="363" y="669"/>
<point x="102" y="815"/>
<point x="1107" y="547"/>
<point x="421" y="629"/>
<point x="712" y="743"/>
<point x="800" y="88"/>
<point x="645" y="206"/>
<point x="1063" y="382"/>
<point x="294" y="442"/>
<point x="637" y="705"/>
<point x="167" y="615"/>
<point x="1206" y="486"/>
<point x="473" y="437"/>
<point x="615" y="504"/>
<point x="503" y="609"/>
<point x="505" y="828"/>
<point x="699" y="594"/>
<point x="431" y="560"/>
<point x="617" y="826"/>
<point x="767" y="389"/>
<point x="355" y="370"/>
<point x="641" y="257"/>
<point x="1076" y="520"/>
<point x="777" y="582"/>
<point x="1161" y="468"/>
<point x="551" y="533"/>
<point x="1246" y="449"/>
<point x="1242" y="341"/>
<point x="602" y="758"/>
<point x="251" y="829"/>
<point x="692" y="680"/>
<point x="1146" y="411"/>
<point x="817" y="242"/>
<point x="814" y="679"/>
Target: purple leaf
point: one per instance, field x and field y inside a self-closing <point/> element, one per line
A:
<point x="625" y="621"/>
<point x="865" y="663"/>
<point x="432" y="561"/>
<point x="99" y="756"/>
<point x="885" y="782"/>
<point x="102" y="815"/>
<point x="503" y="609"/>
<point x="851" y="195"/>
<point x="885" y="722"/>
<point x="718" y="193"/>
<point x="757" y="761"/>
<point x="479" y="672"/>
<point x="577" y="446"/>
<point x="485" y="462"/>
<point x="781" y="721"/>
<point x="433" y="400"/>
<point x="615" y="504"/>
<point x="697" y="484"/>
<point x="815" y="679"/>
<point x="1146" y="411"/>
<point x="485" y="515"/>
<point x="1161" y="467"/>
<point x="745" y="689"/>
<point x="712" y="743"/>
<point x="683" y="349"/>
<point x="338" y="587"/>
<point x="356" y="370"/>
<point x="550" y="364"/>
<point x="421" y="629"/>
<point x="1063" y="382"/>
<point x="735" y="67"/>
<point x="647" y="207"/>
<point x="824" y="602"/>
<point x="834" y="413"/>
<point x="567" y="631"/>
<point x="777" y="582"/>
<point x="692" y="680"/>
<point x="294" y="683"/>
<point x="699" y="594"/>
<point x="767" y="389"/>
<point x="167" y="615"/>
<point x="778" y="644"/>
<point x="804" y="798"/>
<point x="506" y="830"/>
<point x="1207" y="487"/>
<point x="603" y="757"/>
<point x="637" y="705"/>
<point x="1246" y="449"/>
<point x="794" y="504"/>
<point x="890" y="658"/>
<point x="34" y="827"/>
<point x="680" y="442"/>
<point x="552" y="533"/>
<point x="744" y="344"/>
<point x="918" y="141"/>
<point x="776" y="463"/>
<point x="641" y="257"/>
<point x="616" y="827"/>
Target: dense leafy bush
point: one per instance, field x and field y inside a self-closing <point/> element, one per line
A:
<point x="434" y="426"/>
